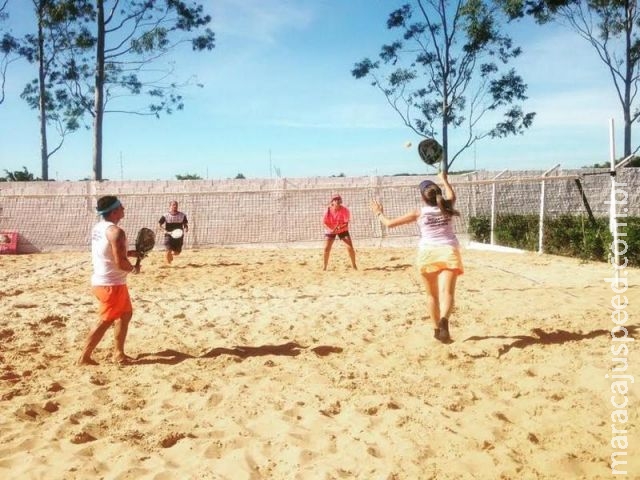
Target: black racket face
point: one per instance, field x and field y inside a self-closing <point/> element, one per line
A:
<point x="145" y="240"/>
<point x="430" y="151"/>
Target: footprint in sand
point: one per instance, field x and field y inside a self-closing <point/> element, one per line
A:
<point x="371" y="410"/>
<point x="31" y="411"/>
<point x="7" y="335"/>
<point x="51" y="407"/>
<point x="333" y="409"/>
<point x="55" y="387"/>
<point x="55" y="321"/>
<point x="10" y="376"/>
<point x="170" y="440"/>
<point x="11" y="294"/>
<point x="75" y="418"/>
<point x="374" y="451"/>
<point x="214" y="400"/>
<point x="11" y="393"/>
<point x="83" y="437"/>
<point x="97" y="380"/>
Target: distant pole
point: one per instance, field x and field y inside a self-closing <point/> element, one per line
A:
<point x="541" y="219"/>
<point x="121" y="168"/>
<point x="270" y="165"/>
<point x="613" y="221"/>
<point x="493" y="206"/>
<point x="475" y="157"/>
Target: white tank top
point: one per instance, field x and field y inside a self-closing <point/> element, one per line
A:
<point x="436" y="228"/>
<point x="105" y="270"/>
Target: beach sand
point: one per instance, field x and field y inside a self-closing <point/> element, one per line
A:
<point x="255" y="364"/>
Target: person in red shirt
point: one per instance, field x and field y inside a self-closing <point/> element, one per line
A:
<point x="336" y="223"/>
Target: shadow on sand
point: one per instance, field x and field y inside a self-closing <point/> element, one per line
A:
<point x="289" y="349"/>
<point x="557" y="337"/>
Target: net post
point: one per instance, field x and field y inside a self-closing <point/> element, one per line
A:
<point x="376" y="188"/>
<point x="493" y="206"/>
<point x="541" y="222"/>
<point x="613" y="221"/>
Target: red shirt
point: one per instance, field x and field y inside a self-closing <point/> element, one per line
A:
<point x="337" y="218"/>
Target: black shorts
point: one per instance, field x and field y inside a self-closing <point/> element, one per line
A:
<point x="341" y="236"/>
<point x="173" y="244"/>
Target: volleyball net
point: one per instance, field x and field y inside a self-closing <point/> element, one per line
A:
<point x="494" y="208"/>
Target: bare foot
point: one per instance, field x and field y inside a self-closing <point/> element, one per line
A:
<point x="123" y="359"/>
<point x="86" y="361"/>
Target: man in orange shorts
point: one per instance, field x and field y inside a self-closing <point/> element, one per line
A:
<point x="109" y="256"/>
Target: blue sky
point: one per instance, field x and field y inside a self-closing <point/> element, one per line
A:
<point x="279" y="98"/>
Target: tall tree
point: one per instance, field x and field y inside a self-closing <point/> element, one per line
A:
<point x="450" y="67"/>
<point x="612" y="28"/>
<point x="8" y="45"/>
<point x="59" y="31"/>
<point x="130" y="37"/>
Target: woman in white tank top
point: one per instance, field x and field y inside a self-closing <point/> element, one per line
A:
<point x="438" y="260"/>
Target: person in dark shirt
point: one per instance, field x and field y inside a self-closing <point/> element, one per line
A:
<point x="175" y="226"/>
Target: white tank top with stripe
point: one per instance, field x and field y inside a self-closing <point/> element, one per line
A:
<point x="105" y="269"/>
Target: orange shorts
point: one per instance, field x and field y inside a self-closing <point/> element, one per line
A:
<point x="114" y="301"/>
<point x="435" y="259"/>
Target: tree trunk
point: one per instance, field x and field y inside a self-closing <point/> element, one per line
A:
<point x="42" y="104"/>
<point x="445" y="139"/>
<point x="627" y="133"/>
<point x="628" y="82"/>
<point x="99" y="95"/>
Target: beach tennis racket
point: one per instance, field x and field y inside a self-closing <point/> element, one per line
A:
<point x="145" y="241"/>
<point x="430" y="151"/>
<point x="177" y="233"/>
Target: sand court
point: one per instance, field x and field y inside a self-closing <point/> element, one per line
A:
<point x="256" y="364"/>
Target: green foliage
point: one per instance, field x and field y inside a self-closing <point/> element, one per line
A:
<point x="8" y="47"/>
<point x="480" y="229"/>
<point x="576" y="236"/>
<point x="91" y="61"/>
<point x="240" y="176"/>
<point x="630" y="233"/>
<point x="152" y="29"/>
<point x="611" y="28"/>
<point x="567" y="235"/>
<point x="541" y="10"/>
<point x="634" y="162"/>
<point x="518" y="231"/>
<point x="19" y="176"/>
<point x="58" y="24"/>
<point x="448" y="71"/>
<point x="188" y="176"/>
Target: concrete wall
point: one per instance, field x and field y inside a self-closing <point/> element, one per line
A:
<point x="52" y="216"/>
